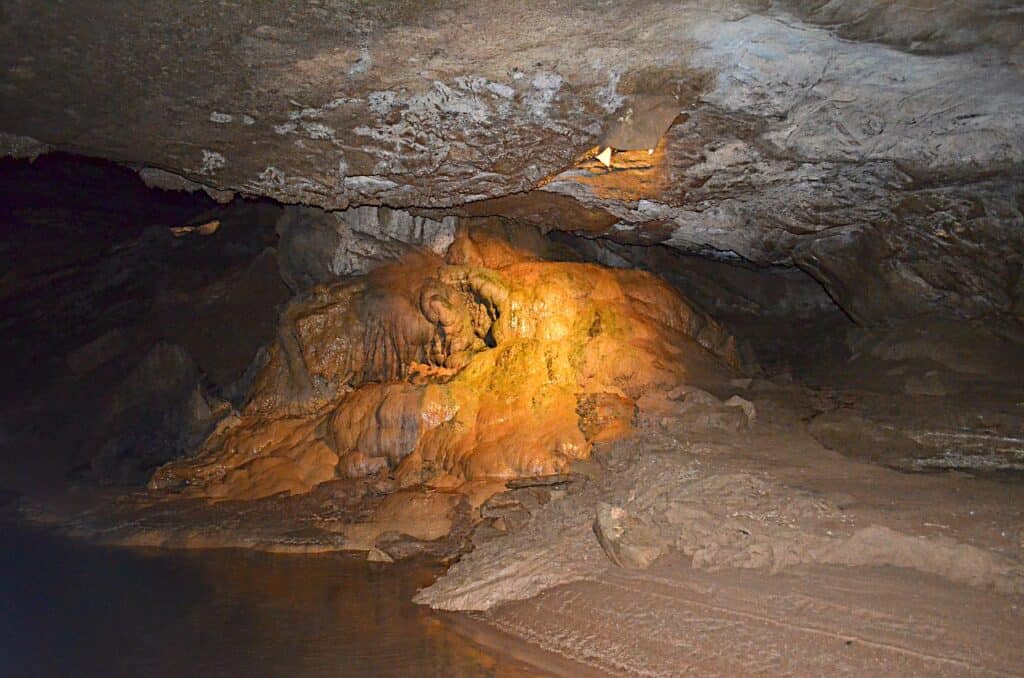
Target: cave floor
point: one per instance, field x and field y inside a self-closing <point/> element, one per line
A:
<point x="673" y="620"/>
<point x="783" y="557"/>
<point x="786" y="558"/>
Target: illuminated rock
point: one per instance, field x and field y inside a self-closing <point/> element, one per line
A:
<point x="443" y="374"/>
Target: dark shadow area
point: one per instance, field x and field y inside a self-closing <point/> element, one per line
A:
<point x="71" y="608"/>
<point x="125" y="310"/>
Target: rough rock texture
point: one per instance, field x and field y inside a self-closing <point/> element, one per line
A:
<point x="128" y="318"/>
<point x="444" y="373"/>
<point x="671" y="620"/>
<point x="876" y="144"/>
<point x="317" y="246"/>
<point x="627" y="541"/>
<point x="781" y="556"/>
<point x="690" y="491"/>
<point x="727" y="289"/>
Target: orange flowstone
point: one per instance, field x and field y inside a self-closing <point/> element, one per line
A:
<point x="439" y="374"/>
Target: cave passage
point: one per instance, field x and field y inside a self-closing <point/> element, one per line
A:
<point x="502" y="338"/>
<point x="428" y="386"/>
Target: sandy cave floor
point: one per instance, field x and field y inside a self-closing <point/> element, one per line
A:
<point x="783" y="557"/>
<point x="925" y="581"/>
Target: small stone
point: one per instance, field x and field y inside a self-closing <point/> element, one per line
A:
<point x="375" y="555"/>
<point x="628" y="541"/>
<point x="747" y="407"/>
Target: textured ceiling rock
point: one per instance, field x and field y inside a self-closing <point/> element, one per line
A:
<point x="316" y="246"/>
<point x="878" y="144"/>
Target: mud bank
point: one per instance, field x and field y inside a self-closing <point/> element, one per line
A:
<point x="849" y="565"/>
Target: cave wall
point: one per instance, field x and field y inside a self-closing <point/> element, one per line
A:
<point x="132" y="318"/>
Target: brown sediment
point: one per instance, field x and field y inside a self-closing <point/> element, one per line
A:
<point x="770" y="541"/>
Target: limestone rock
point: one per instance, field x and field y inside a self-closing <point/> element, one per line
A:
<point x="306" y="246"/>
<point x="318" y="246"/>
<point x="959" y="348"/>
<point x="510" y="511"/>
<point x="554" y="482"/>
<point x="628" y="541"/>
<point x="99" y="351"/>
<point x="785" y="146"/>
<point x="245" y="462"/>
<point x="375" y="555"/>
<point x="853" y="435"/>
<point x="692" y="409"/>
<point x="159" y="412"/>
<point x="745" y="405"/>
<point x="605" y="416"/>
<point x="224" y="324"/>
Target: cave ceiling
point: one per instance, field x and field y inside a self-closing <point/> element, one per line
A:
<point x="876" y="144"/>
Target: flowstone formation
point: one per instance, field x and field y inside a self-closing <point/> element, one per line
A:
<point x="488" y="365"/>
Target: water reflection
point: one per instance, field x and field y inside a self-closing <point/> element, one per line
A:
<point x="74" y="609"/>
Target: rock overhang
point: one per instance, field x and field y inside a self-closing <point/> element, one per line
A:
<point x="804" y="135"/>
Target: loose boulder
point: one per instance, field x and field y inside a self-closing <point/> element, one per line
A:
<point x="627" y="540"/>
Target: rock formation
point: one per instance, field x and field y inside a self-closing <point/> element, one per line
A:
<point x="875" y="144"/>
<point x="443" y="372"/>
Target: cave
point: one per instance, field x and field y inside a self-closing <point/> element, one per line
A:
<point x="489" y="338"/>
